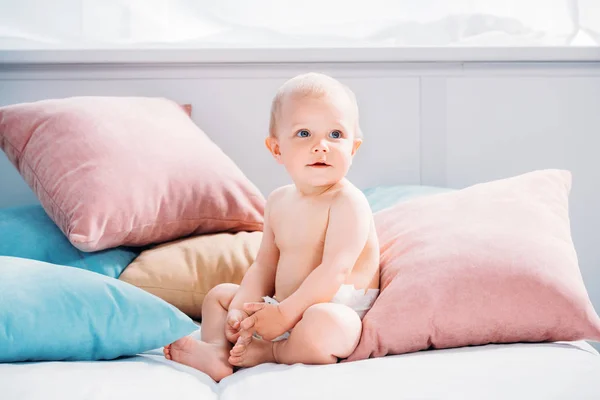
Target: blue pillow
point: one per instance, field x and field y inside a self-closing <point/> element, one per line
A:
<point x="381" y="197"/>
<point x="52" y="313"/>
<point x="28" y="232"/>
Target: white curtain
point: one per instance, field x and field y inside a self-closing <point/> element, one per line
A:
<point x="81" y="24"/>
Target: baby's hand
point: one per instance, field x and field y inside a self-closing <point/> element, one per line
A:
<point x="233" y="323"/>
<point x="266" y="320"/>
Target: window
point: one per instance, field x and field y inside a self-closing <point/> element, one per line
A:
<point x="113" y="24"/>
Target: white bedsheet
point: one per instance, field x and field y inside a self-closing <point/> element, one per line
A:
<point x="148" y="376"/>
<point x="517" y="371"/>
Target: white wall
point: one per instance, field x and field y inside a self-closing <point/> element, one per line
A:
<point x="446" y="124"/>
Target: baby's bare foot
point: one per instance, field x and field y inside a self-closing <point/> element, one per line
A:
<point x="251" y="352"/>
<point x="206" y="357"/>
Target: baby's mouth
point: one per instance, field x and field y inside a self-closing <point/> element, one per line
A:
<point x="319" y="165"/>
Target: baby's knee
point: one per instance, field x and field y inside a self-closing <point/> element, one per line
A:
<point x="222" y="294"/>
<point x="334" y="328"/>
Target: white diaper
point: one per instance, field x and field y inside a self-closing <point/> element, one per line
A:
<point x="359" y="300"/>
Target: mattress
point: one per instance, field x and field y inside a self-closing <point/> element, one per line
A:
<point x="562" y="370"/>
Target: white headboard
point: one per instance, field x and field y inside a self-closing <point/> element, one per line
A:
<point x="232" y="106"/>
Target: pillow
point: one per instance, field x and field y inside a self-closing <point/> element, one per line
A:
<point x="183" y="271"/>
<point x="492" y="263"/>
<point x="51" y="312"/>
<point x="28" y="232"/>
<point x="114" y="171"/>
<point x="381" y="197"/>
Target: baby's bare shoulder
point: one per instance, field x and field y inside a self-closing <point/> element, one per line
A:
<point x="278" y="194"/>
<point x="350" y="221"/>
<point x="351" y="198"/>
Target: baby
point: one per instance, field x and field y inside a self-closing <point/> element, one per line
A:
<point x="317" y="270"/>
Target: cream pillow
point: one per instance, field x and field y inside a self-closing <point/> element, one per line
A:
<point x="183" y="271"/>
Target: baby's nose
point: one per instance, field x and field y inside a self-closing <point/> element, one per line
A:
<point x="320" y="147"/>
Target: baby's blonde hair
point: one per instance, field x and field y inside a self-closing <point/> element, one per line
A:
<point x="311" y="84"/>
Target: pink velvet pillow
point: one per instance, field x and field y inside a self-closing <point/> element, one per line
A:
<point x="492" y="263"/>
<point x="116" y="171"/>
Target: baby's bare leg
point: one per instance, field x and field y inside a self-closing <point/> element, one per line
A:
<point x="211" y="353"/>
<point x="214" y="314"/>
<point x="325" y="333"/>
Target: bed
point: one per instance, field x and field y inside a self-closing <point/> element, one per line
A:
<point x="562" y="370"/>
<point x="556" y="370"/>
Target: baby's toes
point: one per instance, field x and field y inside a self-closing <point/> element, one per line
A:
<point x="238" y="349"/>
<point x="235" y="361"/>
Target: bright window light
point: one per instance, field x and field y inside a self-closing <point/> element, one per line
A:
<point x="92" y="24"/>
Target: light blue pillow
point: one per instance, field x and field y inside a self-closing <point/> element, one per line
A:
<point x="381" y="197"/>
<point x="28" y="232"/>
<point x="51" y="313"/>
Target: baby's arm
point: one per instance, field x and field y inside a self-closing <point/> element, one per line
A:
<point x="347" y="233"/>
<point x="259" y="280"/>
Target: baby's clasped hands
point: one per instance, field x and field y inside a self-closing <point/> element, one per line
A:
<point x="265" y="320"/>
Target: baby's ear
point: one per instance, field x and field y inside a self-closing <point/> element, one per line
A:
<point x="356" y="144"/>
<point x="273" y="146"/>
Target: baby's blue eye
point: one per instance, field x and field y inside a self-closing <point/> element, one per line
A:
<point x="335" y="134"/>
<point x="303" y="133"/>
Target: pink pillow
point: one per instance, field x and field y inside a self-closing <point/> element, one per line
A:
<point x="116" y="171"/>
<point x="492" y="263"/>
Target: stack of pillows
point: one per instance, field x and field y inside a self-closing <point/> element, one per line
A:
<point x="123" y="183"/>
<point x="142" y="214"/>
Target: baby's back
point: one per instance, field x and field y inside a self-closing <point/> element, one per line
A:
<point x="299" y="225"/>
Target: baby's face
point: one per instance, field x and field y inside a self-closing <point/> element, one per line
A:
<point x="316" y="139"/>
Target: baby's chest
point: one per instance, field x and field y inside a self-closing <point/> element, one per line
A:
<point x="300" y="227"/>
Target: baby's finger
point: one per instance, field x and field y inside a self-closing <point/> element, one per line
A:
<point x="246" y="335"/>
<point x="254" y="307"/>
<point x="248" y="323"/>
<point x="234" y="322"/>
